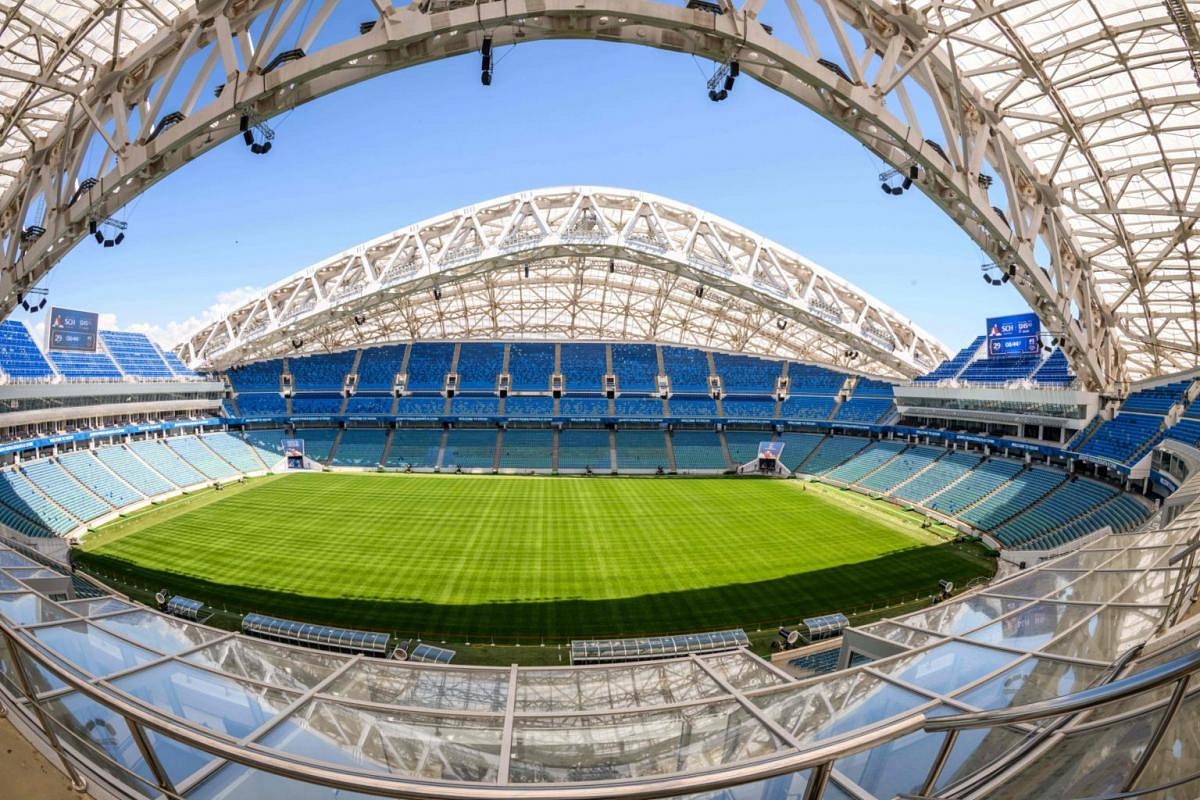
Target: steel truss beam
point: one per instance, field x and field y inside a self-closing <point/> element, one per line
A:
<point x="577" y="263"/>
<point x="898" y="54"/>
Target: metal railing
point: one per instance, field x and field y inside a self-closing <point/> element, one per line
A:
<point x="819" y="758"/>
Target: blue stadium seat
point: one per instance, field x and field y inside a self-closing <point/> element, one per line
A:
<point x="530" y="366"/>
<point x="1001" y="370"/>
<point x="1023" y="490"/>
<point x="316" y="404"/>
<point x="470" y="448"/>
<point x="583" y="366"/>
<point x="1124" y="438"/>
<point x="378" y="367"/>
<point x="479" y="365"/>
<point x="866" y="461"/>
<point x="20" y="357"/>
<point x="262" y="404"/>
<point x="33" y="510"/>
<point x="974" y="486"/>
<point x="528" y="407"/>
<point x="428" y="363"/>
<point x="85" y="366"/>
<point x="177" y="366"/>
<point x="136" y="355"/>
<point x="1157" y="399"/>
<point x="414" y="447"/>
<point x="523" y="448"/>
<point x="680" y="406"/>
<point x="588" y="407"/>
<point x="636" y="367"/>
<point x="746" y="374"/>
<point x="317" y="442"/>
<point x="200" y="457"/>
<point x="233" y="450"/>
<point x="134" y="472"/>
<point x="420" y="406"/>
<point x="806" y="407"/>
<point x="468" y="406"/>
<point x="261" y="376"/>
<point x="687" y="368"/>
<point x="811" y="379"/>
<point x="323" y="372"/>
<point x="1055" y="370"/>
<point x="642" y="450"/>
<point x="579" y="448"/>
<point x="67" y="492"/>
<point x="946" y="471"/>
<point x="369" y="405"/>
<point x="869" y="387"/>
<point x="748" y="407"/>
<point x="696" y="450"/>
<point x="360" y="447"/>
<point x="638" y="408"/>
<point x="166" y="462"/>
<point x="831" y="452"/>
<point x="86" y="469"/>
<point x="952" y="367"/>
<point x="743" y="445"/>
<point x="797" y="447"/>
<point x="870" y="410"/>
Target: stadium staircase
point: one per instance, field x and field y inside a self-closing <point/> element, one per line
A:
<point x="612" y="451"/>
<point x="725" y="445"/>
<point x="555" y="433"/>
<point x="672" y="464"/>
<point x="1041" y="502"/>
<point x="441" y="455"/>
<point x="83" y="487"/>
<point x="917" y="454"/>
<point x="206" y="445"/>
<point x="498" y="448"/>
<point x="337" y="439"/>
<point x="387" y="446"/>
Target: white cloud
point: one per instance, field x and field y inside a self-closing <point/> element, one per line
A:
<point x="173" y="333"/>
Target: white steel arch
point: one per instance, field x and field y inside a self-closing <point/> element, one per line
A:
<point x="585" y="263"/>
<point x="1080" y="116"/>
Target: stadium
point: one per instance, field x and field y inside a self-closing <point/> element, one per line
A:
<point x="578" y="490"/>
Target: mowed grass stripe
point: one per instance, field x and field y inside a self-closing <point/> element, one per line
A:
<point x="530" y="556"/>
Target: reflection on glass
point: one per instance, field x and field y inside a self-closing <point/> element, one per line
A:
<point x="1030" y="681"/>
<point x="1035" y="584"/>
<point x="946" y="667"/>
<point x="901" y="635"/>
<point x="1032" y="627"/>
<point x="164" y="634"/>
<point x="30" y="609"/>
<point x="613" y="746"/>
<point x="1108" y="634"/>
<point x="234" y="782"/>
<point x="615" y="688"/>
<point x="91" y="649"/>
<point x="405" y="685"/>
<point x="417" y="745"/>
<point x="285" y="667"/>
<point x="104" y="731"/>
<point x="830" y="708"/>
<point x="10" y="558"/>
<point x="91" y="606"/>
<point x="214" y="701"/>
<point x="741" y="670"/>
<point x="959" y="616"/>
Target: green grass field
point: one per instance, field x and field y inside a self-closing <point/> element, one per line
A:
<point x="514" y="557"/>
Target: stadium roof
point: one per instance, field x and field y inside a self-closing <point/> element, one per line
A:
<point x="581" y="263"/>
<point x="1085" y="113"/>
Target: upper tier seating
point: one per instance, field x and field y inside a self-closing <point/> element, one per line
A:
<point x="20" y="495"/>
<point x="1015" y="496"/>
<point x="866" y="461"/>
<point x="582" y="366"/>
<point x="1055" y="371"/>
<point x="376" y="405"/>
<point x="176" y="364"/>
<point x="1157" y="400"/>
<point x="420" y="406"/>
<point x="234" y="451"/>
<point x="85" y="366"/>
<point x="378" y="367"/>
<point x="165" y="462"/>
<point x="261" y="376"/>
<point x="692" y="407"/>
<point x="869" y="387"/>
<point x="975" y="485"/>
<point x="56" y="483"/>
<point x="870" y="410"/>
<point x="428" y="363"/>
<point x="743" y="445"/>
<point x="579" y="448"/>
<point x="360" y="447"/>
<point x="93" y="474"/>
<point x="323" y="372"/>
<point x="470" y="448"/>
<point x="947" y="470"/>
<point x="901" y="468"/>
<point x="642" y="450"/>
<point x="526" y="448"/>
<point x="1125" y="437"/>
<point x="797" y="447"/>
<point x="746" y="374"/>
<point x="638" y="407"/>
<point x="317" y="405"/>
<point x="800" y="406"/>
<point x="687" y="368"/>
<point x="134" y="472"/>
<point x="1001" y="370"/>
<point x="317" y="442"/>
<point x="414" y="447"/>
<point x="530" y="366"/>
<point x="951" y="367"/>
<point x="479" y="364"/>
<point x="583" y="407"/>
<point x="696" y="450"/>
<point x="136" y="355"/>
<point x="834" y="450"/>
<point x="262" y="403"/>
<point x="20" y="357"/>
<point x="811" y="379"/>
<point x="635" y="366"/>
<point x="749" y="408"/>
<point x="204" y="460"/>
<point x="533" y="407"/>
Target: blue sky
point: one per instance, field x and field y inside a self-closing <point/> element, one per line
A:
<point x="392" y="151"/>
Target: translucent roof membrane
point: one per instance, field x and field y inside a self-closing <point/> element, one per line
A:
<point x="1041" y="633"/>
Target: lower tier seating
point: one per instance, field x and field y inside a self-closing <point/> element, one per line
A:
<point x="526" y="449"/>
<point x="470" y="448"/>
<point x="89" y="471"/>
<point x="414" y="447"/>
<point x="581" y="448"/>
<point x="700" y="450"/>
<point x="360" y="447"/>
<point x="642" y="450"/>
<point x="165" y="462"/>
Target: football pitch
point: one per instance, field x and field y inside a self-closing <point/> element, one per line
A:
<point x="524" y="557"/>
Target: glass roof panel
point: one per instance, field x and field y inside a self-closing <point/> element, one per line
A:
<point x="425" y="687"/>
<point x="614" y="688"/>
<point x="157" y="632"/>
<point x="959" y="616"/>
<point x="1032" y="627"/>
<point x="944" y="668"/>
<point x="1032" y="680"/>
<point x="838" y="705"/>
<point x="30" y="609"/>
<point x="1108" y="633"/>
<point x="285" y="667"/>
<point x="93" y="650"/>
